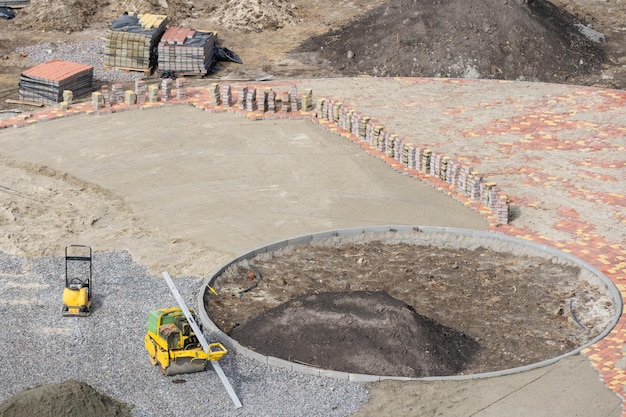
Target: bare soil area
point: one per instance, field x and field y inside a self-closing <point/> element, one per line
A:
<point x="564" y="41"/>
<point x="408" y="310"/>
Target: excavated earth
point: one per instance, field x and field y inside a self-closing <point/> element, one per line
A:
<point x="408" y="310"/>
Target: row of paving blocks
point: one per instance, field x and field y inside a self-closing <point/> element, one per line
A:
<point x="265" y="101"/>
<point x="416" y="159"/>
<point x="141" y="94"/>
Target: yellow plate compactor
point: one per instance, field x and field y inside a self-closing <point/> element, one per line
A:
<point x="172" y="343"/>
<point x="77" y="292"/>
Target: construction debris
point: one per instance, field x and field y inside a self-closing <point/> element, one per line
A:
<point x="186" y="51"/>
<point x="131" y="42"/>
<point x="7" y="13"/>
<point x="45" y="83"/>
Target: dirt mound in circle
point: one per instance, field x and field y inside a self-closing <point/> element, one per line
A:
<point x="529" y="40"/>
<point x="322" y="330"/>
<point x="67" y="399"/>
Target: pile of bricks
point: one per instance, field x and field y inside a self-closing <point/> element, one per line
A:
<point x="46" y="82"/>
<point x="187" y="51"/>
<point x="131" y="42"/>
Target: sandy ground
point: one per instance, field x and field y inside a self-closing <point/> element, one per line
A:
<point x="189" y="200"/>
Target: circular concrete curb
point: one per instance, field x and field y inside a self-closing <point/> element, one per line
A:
<point x="440" y="234"/>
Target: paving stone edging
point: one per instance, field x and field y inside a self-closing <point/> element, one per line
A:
<point x="458" y="180"/>
<point x="235" y="347"/>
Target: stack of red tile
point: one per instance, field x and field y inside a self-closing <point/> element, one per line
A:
<point x="46" y="82"/>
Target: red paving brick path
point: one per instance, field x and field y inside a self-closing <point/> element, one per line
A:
<point x="583" y="130"/>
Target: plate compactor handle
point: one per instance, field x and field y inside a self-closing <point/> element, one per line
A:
<point x="201" y="339"/>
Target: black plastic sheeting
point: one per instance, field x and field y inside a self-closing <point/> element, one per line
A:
<point x="225" y="54"/>
<point x="6" y="13"/>
<point x="129" y="23"/>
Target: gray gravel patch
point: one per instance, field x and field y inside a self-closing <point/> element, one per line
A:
<point x="89" y="52"/>
<point x="106" y="350"/>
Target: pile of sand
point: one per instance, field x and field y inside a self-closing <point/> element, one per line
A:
<point x="69" y="398"/>
<point x="77" y="15"/>
<point x="254" y="15"/>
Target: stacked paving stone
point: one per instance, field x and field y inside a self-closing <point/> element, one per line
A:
<point x="97" y="101"/>
<point x="181" y="89"/>
<point x="141" y="90"/>
<point x="68" y="97"/>
<point x="293" y="98"/>
<point x="216" y="99"/>
<point x="307" y="100"/>
<point x="45" y="83"/>
<point x="130" y="97"/>
<point x="117" y="94"/>
<point x="443" y="166"/>
<point x="262" y="100"/>
<point x="251" y="104"/>
<point x="241" y="98"/>
<point x="226" y="95"/>
<point x="271" y="101"/>
<point x="153" y="93"/>
<point x="106" y="95"/>
<point x="131" y="42"/>
<point x="166" y="89"/>
<point x="186" y="51"/>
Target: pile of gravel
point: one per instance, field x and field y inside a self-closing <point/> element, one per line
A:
<point x="89" y="52"/>
<point x="106" y="350"/>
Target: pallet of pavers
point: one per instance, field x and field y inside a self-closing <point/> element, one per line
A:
<point x="14" y="4"/>
<point x="131" y="42"/>
<point x="46" y="82"/>
<point x="186" y="51"/>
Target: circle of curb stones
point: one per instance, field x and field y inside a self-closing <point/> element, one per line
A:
<point x="234" y="346"/>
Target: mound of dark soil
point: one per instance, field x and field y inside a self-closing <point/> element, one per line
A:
<point x="514" y="40"/>
<point x="67" y="399"/>
<point x="322" y="330"/>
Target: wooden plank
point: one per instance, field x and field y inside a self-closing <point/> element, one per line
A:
<point x="25" y="102"/>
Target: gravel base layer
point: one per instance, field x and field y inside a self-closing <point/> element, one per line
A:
<point x="89" y="52"/>
<point x="106" y="350"/>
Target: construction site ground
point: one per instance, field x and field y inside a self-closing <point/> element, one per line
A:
<point x="154" y="204"/>
<point x="162" y="205"/>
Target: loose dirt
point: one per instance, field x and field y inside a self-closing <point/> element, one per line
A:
<point x="55" y="400"/>
<point x="512" y="40"/>
<point x="577" y="42"/>
<point x="500" y="310"/>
